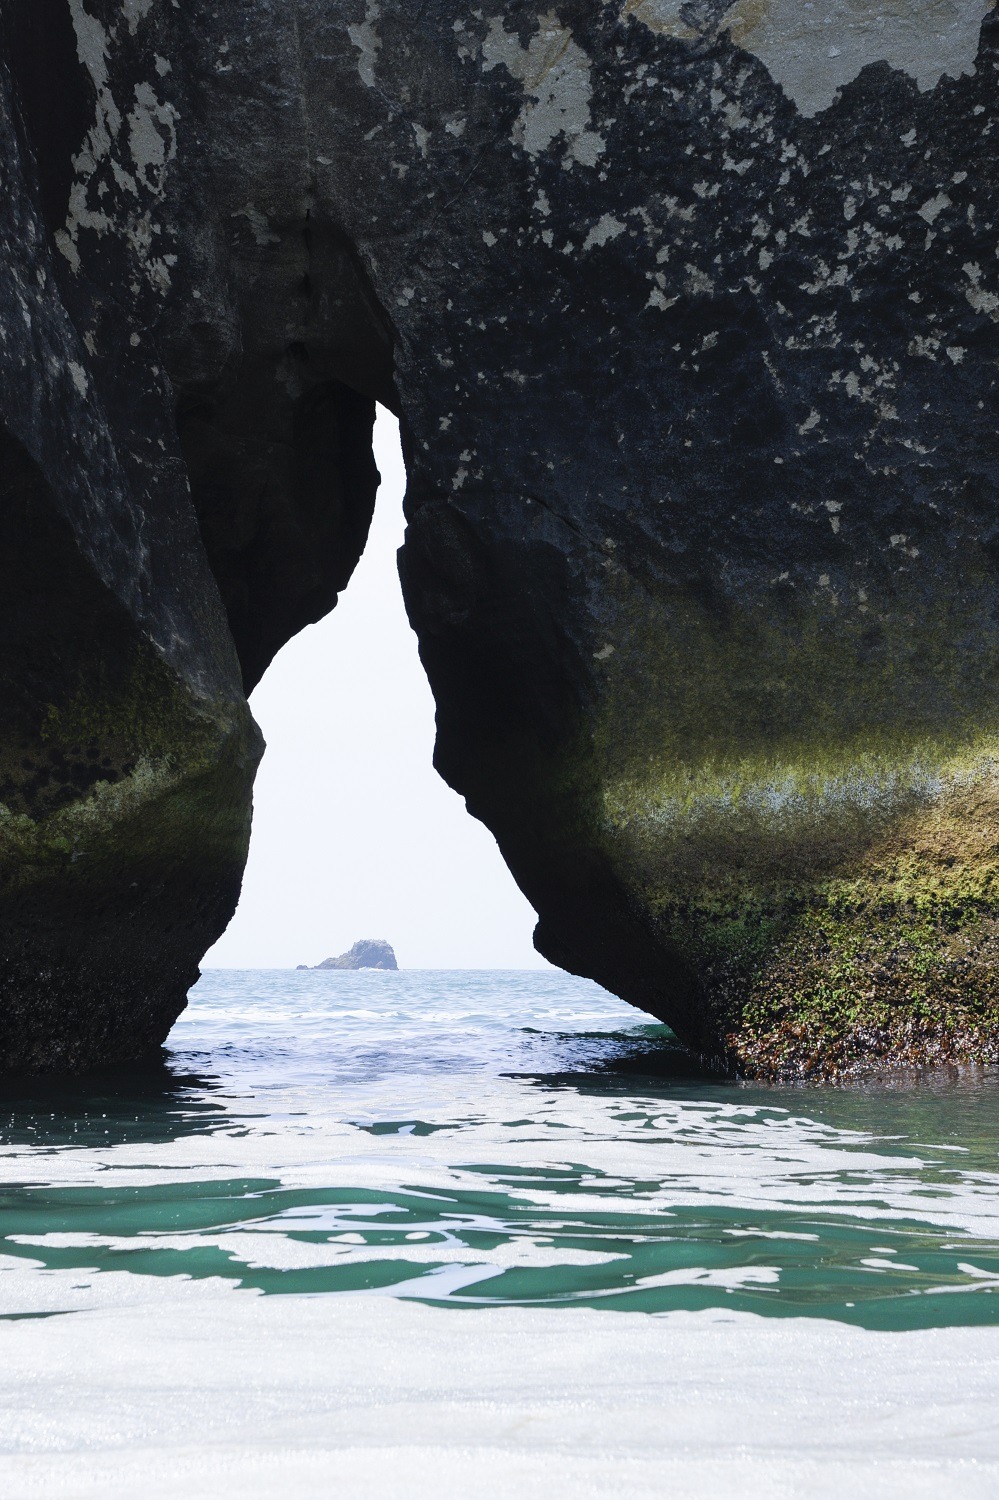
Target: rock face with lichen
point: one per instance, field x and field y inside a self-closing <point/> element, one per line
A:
<point x="689" y="310"/>
<point x="367" y="953"/>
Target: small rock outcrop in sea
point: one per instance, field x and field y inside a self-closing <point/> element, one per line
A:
<point x="367" y="953"/>
<point x="689" y="309"/>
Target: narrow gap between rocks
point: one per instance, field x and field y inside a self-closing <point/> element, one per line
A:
<point x="355" y="835"/>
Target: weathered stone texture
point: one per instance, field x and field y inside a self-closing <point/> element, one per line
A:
<point x="689" y="311"/>
<point x="367" y="953"/>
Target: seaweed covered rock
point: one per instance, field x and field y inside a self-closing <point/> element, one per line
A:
<point x="689" y="311"/>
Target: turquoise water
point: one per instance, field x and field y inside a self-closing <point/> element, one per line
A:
<point x="472" y="1139"/>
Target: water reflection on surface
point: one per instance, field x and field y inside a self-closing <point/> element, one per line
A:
<point x="152" y="1104"/>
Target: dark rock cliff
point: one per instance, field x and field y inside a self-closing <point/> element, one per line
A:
<point x="689" y="311"/>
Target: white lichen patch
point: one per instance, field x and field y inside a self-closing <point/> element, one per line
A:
<point x="152" y="136"/>
<point x="136" y="11"/>
<point x="812" y="50"/>
<point x="934" y="207"/>
<point x="555" y="73"/>
<point x="78" y="375"/>
<point x="659" y="300"/>
<point x="367" y="41"/>
<point x="133" y="162"/>
<point x="981" y="299"/>
<point x="604" y="230"/>
<point x="92" y="44"/>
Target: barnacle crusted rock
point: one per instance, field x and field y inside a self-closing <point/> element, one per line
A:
<point x="689" y="311"/>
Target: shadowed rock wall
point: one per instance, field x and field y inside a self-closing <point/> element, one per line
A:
<point x="689" y="311"/>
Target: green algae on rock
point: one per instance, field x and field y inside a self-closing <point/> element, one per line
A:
<point x="120" y="858"/>
<point x="805" y="799"/>
<point x="882" y="958"/>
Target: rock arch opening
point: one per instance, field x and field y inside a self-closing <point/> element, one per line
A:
<point x="355" y="834"/>
<point x="698" y="376"/>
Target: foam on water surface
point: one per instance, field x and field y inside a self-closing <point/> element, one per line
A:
<point x="483" y="1139"/>
<point x="204" y="1393"/>
<point x="541" y="1169"/>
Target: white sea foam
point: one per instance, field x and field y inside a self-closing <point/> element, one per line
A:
<point x="362" y="1144"/>
<point x="214" y="1395"/>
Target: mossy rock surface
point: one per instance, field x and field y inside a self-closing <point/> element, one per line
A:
<point x="832" y="940"/>
<point x="109" y="897"/>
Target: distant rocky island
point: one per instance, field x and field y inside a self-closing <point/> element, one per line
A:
<point x="368" y="953"/>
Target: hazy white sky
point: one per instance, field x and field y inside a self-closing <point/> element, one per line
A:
<point x="354" y="833"/>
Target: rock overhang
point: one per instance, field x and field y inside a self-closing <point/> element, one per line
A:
<point x="689" y="312"/>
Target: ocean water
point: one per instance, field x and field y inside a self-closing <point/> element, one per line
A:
<point x="440" y="1233"/>
<point x="474" y="1139"/>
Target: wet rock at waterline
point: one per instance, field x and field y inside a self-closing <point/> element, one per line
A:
<point x="367" y="953"/>
<point x="690" y="313"/>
